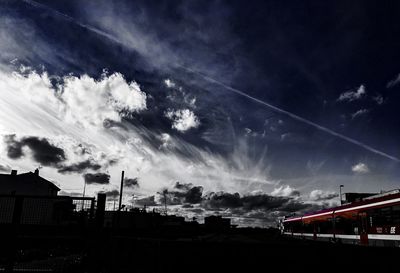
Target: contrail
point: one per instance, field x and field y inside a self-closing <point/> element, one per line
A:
<point x="291" y="115"/>
<point x="74" y="21"/>
<point x="227" y="87"/>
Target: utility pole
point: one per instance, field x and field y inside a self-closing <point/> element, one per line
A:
<point x="340" y="193"/>
<point x="165" y="201"/>
<point x="120" y="191"/>
<point x="84" y="189"/>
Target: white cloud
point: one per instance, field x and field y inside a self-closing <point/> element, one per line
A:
<point x="285" y="136"/>
<point x="169" y="83"/>
<point x="393" y="82"/>
<point x="90" y="102"/>
<point x="183" y="120"/>
<point x="80" y="100"/>
<point x="360" y="168"/>
<point x="320" y="195"/>
<point x="359" y="113"/>
<point x="353" y="95"/>
<point x="31" y="106"/>
<point x="285" y="191"/>
<point x="166" y="140"/>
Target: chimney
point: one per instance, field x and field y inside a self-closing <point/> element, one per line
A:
<point x="13" y="172"/>
<point x="37" y="172"/>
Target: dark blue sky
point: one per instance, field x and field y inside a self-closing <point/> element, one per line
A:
<point x="333" y="63"/>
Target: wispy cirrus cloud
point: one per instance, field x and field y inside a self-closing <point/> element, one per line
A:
<point x="359" y="113"/>
<point x="285" y="191"/>
<point x="353" y="95"/>
<point x="392" y="83"/>
<point x="35" y="106"/>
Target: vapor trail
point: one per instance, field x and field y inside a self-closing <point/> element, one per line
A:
<point x="227" y="87"/>
<point x="74" y="21"/>
<point x="293" y="116"/>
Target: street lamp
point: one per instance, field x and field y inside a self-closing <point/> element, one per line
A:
<point x="340" y="192"/>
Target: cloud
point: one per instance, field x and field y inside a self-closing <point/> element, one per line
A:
<point x="166" y="141"/>
<point x="5" y="168"/>
<point x="393" y="82"/>
<point x="359" y="113"/>
<point x="182" y="193"/>
<point x="169" y="83"/>
<point x="131" y="182"/>
<point x="353" y="95"/>
<point x="285" y="191"/>
<point x="70" y="193"/>
<point x="80" y="167"/>
<point x="320" y="195"/>
<point x="265" y="202"/>
<point x="42" y="150"/>
<point x="35" y="107"/>
<point x="183" y="120"/>
<point x="14" y="147"/>
<point x="360" y="168"/>
<point x="97" y="178"/>
<point x="223" y="200"/>
<point x="113" y="194"/>
<point x="378" y="99"/>
<point x="92" y="102"/>
<point x="80" y="100"/>
<point x="146" y="201"/>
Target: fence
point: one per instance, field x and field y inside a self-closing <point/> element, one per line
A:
<point x="34" y="227"/>
<point x="45" y="210"/>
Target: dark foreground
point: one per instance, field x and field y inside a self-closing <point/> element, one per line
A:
<point x="237" y="250"/>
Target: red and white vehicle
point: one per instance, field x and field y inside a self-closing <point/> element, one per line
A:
<point x="373" y="221"/>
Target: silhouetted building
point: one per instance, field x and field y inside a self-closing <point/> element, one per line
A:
<point x="217" y="222"/>
<point x="30" y="183"/>
<point x="351" y="197"/>
<point x="141" y="219"/>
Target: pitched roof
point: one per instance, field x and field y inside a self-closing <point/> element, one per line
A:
<point x="29" y="177"/>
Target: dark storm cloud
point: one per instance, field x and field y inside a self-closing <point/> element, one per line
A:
<point x="113" y="194"/>
<point x="80" y="167"/>
<point x="146" y="201"/>
<point x="97" y="178"/>
<point x="233" y="204"/>
<point x="294" y="206"/>
<point x="224" y="200"/>
<point x="14" y="147"/>
<point x="182" y="193"/>
<point x="131" y="182"/>
<point x="42" y="150"/>
<point x="4" y="168"/>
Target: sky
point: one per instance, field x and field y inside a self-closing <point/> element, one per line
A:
<point x="249" y="110"/>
